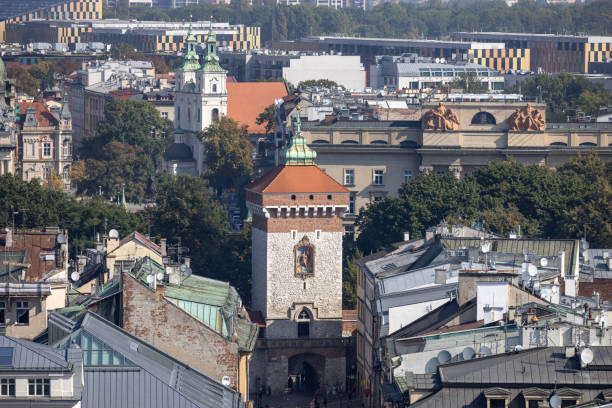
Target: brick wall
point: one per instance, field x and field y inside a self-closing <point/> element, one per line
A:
<point x="147" y="315"/>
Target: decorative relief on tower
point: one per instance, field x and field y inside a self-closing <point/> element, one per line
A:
<point x="440" y="118"/>
<point x="526" y="119"/>
<point x="304" y="258"/>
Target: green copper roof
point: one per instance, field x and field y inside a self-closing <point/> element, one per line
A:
<point x="298" y="153"/>
<point x="190" y="59"/>
<point x="211" y="60"/>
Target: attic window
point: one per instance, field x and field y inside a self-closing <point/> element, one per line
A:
<point x="388" y="267"/>
<point x="329" y="197"/>
<point x="311" y="197"/>
<point x="293" y="197"/>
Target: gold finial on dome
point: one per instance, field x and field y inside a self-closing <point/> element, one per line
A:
<point x="298" y="153"/>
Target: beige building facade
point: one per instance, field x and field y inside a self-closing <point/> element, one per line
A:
<point x="373" y="158"/>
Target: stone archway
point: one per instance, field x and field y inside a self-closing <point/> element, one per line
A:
<point x="306" y="371"/>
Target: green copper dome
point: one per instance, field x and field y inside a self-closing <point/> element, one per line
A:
<point x="298" y="153"/>
<point x="211" y="60"/>
<point x="190" y="59"/>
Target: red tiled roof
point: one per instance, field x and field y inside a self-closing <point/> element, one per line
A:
<point x="43" y="116"/>
<point x="601" y="285"/>
<point x="246" y="100"/>
<point x="122" y="93"/>
<point x="296" y="179"/>
<point x="143" y="240"/>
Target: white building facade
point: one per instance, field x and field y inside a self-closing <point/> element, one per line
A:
<point x="345" y="70"/>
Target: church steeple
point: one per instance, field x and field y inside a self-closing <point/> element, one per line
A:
<point x="298" y="153"/>
<point x="211" y="60"/>
<point x="190" y="58"/>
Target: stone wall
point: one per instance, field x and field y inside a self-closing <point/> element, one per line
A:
<point x="322" y="292"/>
<point x="155" y="320"/>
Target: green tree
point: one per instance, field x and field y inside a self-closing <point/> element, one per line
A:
<point x="43" y="71"/>
<point x="161" y="67"/>
<point x="350" y="271"/>
<point x="469" y="82"/>
<point x="24" y="81"/>
<point x="228" y="154"/>
<point x="267" y="117"/>
<point x="187" y="211"/>
<point x="124" y="51"/>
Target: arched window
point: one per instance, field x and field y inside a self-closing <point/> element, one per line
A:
<point x="320" y="141"/>
<point x="558" y="144"/>
<point x="214" y="88"/>
<point x="178" y="113"/>
<point x="66" y="147"/>
<point x="588" y="144"/>
<point x="483" y="118"/>
<point x="66" y="173"/>
<point x="215" y="115"/>
<point x="378" y="142"/>
<point x="303" y="319"/>
<point x="350" y="142"/>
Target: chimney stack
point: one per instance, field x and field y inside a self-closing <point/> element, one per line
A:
<point x="162" y="244"/>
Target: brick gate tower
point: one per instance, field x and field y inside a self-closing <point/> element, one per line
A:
<point x="297" y="272"/>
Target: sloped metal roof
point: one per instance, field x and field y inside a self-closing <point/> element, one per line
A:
<point x="29" y="356"/>
<point x="155" y="380"/>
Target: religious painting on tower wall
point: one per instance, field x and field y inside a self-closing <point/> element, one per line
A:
<point x="304" y="258"/>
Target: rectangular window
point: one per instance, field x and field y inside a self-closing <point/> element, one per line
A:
<point x="378" y="177"/>
<point x="164" y="115"/>
<point x="351" y="209"/>
<point x="2" y="314"/>
<point x="7" y="387"/>
<point x="47" y="149"/>
<point x="23" y="312"/>
<point x="377" y="197"/>
<point x="33" y="150"/>
<point x="39" y="387"/>
<point x="349" y="232"/>
<point x="349" y="177"/>
<point x="407" y="175"/>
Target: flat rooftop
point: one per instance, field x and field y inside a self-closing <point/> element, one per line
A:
<point x="397" y="42"/>
<point x="535" y="37"/>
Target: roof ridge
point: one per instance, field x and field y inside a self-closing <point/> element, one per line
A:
<point x="38" y="349"/>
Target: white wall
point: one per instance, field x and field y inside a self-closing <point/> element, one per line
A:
<point x="404" y="315"/>
<point x="491" y="294"/>
<point x="343" y="69"/>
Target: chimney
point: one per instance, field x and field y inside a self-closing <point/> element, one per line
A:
<point x="111" y="244"/>
<point x="406" y="236"/>
<point x="187" y="261"/>
<point x="162" y="244"/>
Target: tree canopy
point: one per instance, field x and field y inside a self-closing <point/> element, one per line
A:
<point x="563" y="203"/>
<point x="432" y="19"/>
<point x="267" y="117"/>
<point x="565" y="92"/>
<point x="323" y="83"/>
<point x="469" y="82"/>
<point x="228" y="154"/>
<point x="125" y="150"/>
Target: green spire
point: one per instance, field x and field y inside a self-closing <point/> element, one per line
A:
<point x="190" y="58"/>
<point x="211" y="60"/>
<point x="298" y="153"/>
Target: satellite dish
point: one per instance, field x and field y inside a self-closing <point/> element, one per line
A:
<point x="468" y="353"/>
<point x="113" y="233"/>
<point x="75" y="276"/>
<point x="432" y="366"/>
<point x="518" y="348"/>
<point x="183" y="268"/>
<point x="485" y="351"/>
<point x="543" y="262"/>
<point x="532" y="270"/>
<point x="555" y="401"/>
<point x="160" y="276"/>
<point x="226" y="381"/>
<point x="586" y="356"/>
<point x="150" y="279"/>
<point x="61" y="239"/>
<point x="485" y="247"/>
<point x="444" y="357"/>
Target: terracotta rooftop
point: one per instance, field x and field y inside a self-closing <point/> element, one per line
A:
<point x="43" y="116"/>
<point x="296" y="179"/>
<point x="246" y="100"/>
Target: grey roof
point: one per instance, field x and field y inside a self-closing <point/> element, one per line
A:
<point x="153" y="380"/>
<point x="541" y="366"/>
<point x="29" y="356"/>
<point x="541" y="370"/>
<point x="416" y="68"/>
<point x="543" y="247"/>
<point x="25" y="289"/>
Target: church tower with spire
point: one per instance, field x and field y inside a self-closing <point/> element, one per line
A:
<point x="200" y="91"/>
<point x="297" y="271"/>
